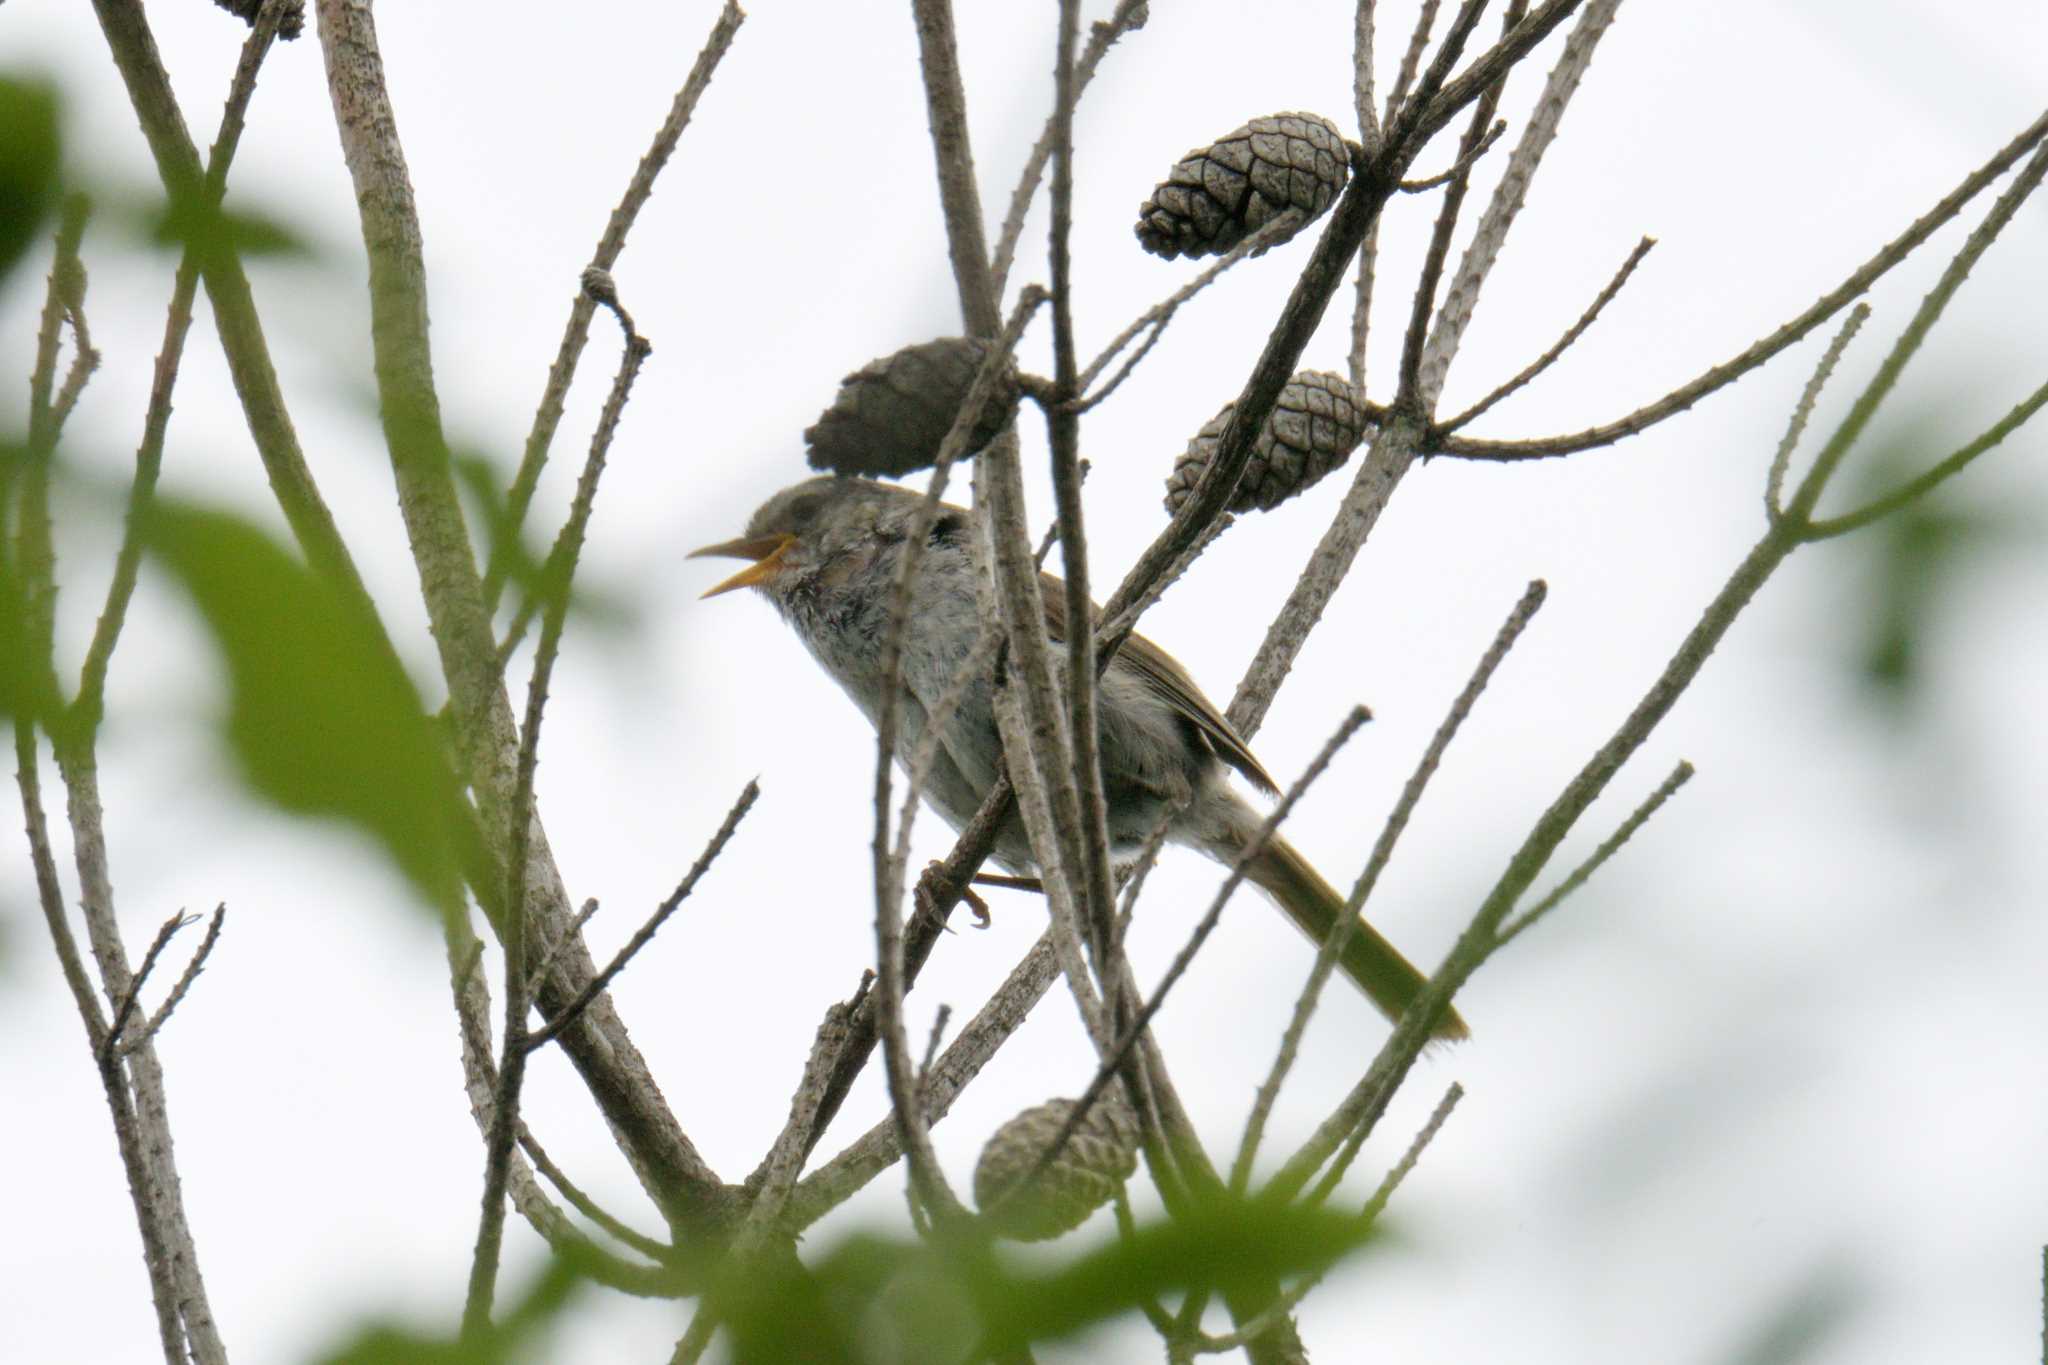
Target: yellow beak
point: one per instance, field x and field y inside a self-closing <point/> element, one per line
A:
<point x="765" y="551"/>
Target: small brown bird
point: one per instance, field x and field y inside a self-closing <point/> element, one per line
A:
<point x="827" y="551"/>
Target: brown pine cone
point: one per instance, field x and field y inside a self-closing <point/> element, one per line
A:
<point x="1098" y="1158"/>
<point x="1218" y="195"/>
<point x="1318" y="422"/>
<point x="892" y="414"/>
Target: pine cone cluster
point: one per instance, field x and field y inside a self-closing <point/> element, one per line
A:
<point x="1318" y="422"/>
<point x="892" y="414"/>
<point x="1218" y="195"/>
<point x="1097" y="1159"/>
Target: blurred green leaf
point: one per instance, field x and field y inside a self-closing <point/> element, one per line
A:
<point x="321" y="717"/>
<point x="1917" y="557"/>
<point x="1798" y="1325"/>
<point x="504" y="545"/>
<point x="30" y="161"/>
<point x="872" y="1300"/>
<point x="189" y="219"/>
<point x="524" y="567"/>
<point x="507" y="1340"/>
<point x="1227" y="1245"/>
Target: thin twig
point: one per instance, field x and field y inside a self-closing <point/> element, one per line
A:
<point x="69" y="281"/>
<point x="563" y="560"/>
<point x="940" y="1018"/>
<point x="1063" y="430"/>
<point x="559" y="567"/>
<point x="1365" y="21"/>
<point x="1341" y="932"/>
<point x="1824" y="528"/>
<point x="872" y="1153"/>
<point x="1571" y="334"/>
<point x="1462" y="166"/>
<point x="243" y="346"/>
<point x="576" y="332"/>
<point x="891" y="862"/>
<point x="1232" y="1341"/>
<point x="1431" y="81"/>
<point x="1807" y="497"/>
<point x="133" y="993"/>
<point x="1362" y="1107"/>
<point x="1720" y="376"/>
<point x="481" y="1084"/>
<point x="647" y="1246"/>
<point x="641" y="936"/>
<point x="184" y="982"/>
<point x="1357" y="716"/>
<point x="1680" y="775"/>
<point x="1128" y="15"/>
<point x="1411" y="58"/>
<point x="1160" y="314"/>
<point x="1774" y="482"/>
<point x="1408" y="390"/>
<point x="87" y="709"/>
<point x="1382" y="1196"/>
<point x="546" y="966"/>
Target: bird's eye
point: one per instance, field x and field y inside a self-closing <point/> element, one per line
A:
<point x="948" y="529"/>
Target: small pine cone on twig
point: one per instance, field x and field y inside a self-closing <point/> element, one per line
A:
<point x="1318" y="422"/>
<point x="891" y="415"/>
<point x="1097" y="1159"/>
<point x="1218" y="195"/>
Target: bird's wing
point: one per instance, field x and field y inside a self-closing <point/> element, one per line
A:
<point x="1155" y="669"/>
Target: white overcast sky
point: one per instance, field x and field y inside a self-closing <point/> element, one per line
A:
<point x="1791" y="1040"/>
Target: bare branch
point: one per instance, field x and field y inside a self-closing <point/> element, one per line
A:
<point x="1128" y="15"/>
<point x="1891" y="502"/>
<point x="1232" y="1341"/>
<point x="1392" y="451"/>
<point x="561" y="572"/>
<point x="1203" y="928"/>
<point x="546" y="966"/>
<point x="1680" y="775"/>
<point x="183" y="984"/>
<point x="583" y="1203"/>
<point x="1563" y="344"/>
<point x="577" y="330"/>
<point x="1720" y="376"/>
<point x="1409" y="391"/>
<point x="86" y="710"/>
<point x="876" y="1150"/>
<point x="1774" y="483"/>
<point x="1382" y="853"/>
<point x="135" y="52"/>
<point x="1800" y="510"/>
<point x="1097" y="901"/>
<point x="1411" y="58"/>
<point x="1462" y="296"/>
<point x="562" y="1018"/>
<point x="661" y="1154"/>
<point x="1160" y="314"/>
<point x="1367" y="1100"/>
<point x="1364" y="24"/>
<point x="1382" y="1196"/>
<point x="1460" y="168"/>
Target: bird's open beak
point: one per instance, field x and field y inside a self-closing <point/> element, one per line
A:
<point x="765" y="551"/>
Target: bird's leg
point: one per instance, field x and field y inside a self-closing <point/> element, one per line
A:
<point x="928" y="894"/>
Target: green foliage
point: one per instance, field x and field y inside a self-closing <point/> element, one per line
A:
<point x="322" y="718"/>
<point x="190" y="219"/>
<point x="507" y="1340"/>
<point x="30" y="163"/>
<point x="873" y="1300"/>
<point x="1917" y="557"/>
